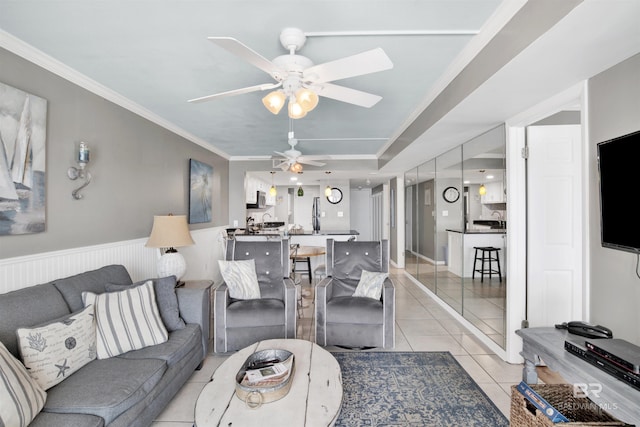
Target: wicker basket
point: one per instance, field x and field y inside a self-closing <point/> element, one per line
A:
<point x="580" y="410"/>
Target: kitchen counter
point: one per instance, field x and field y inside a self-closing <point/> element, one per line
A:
<point x="281" y="233"/>
<point x="482" y="231"/>
<point x="461" y="252"/>
<point x="325" y="233"/>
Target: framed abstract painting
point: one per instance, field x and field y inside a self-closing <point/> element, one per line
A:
<point x="200" y="191"/>
<point x="23" y="131"/>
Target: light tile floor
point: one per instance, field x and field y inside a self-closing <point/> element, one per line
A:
<point x="421" y="325"/>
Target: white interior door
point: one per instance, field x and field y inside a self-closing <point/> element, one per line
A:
<point x="555" y="225"/>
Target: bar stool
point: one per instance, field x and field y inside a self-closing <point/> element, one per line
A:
<point x="488" y="254"/>
<point x="307" y="262"/>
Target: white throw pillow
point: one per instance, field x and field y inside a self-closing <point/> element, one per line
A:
<point x="21" y="398"/>
<point x="370" y="284"/>
<point x="241" y="278"/>
<point x="53" y="352"/>
<point x="126" y="320"/>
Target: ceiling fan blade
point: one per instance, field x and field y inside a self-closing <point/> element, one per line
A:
<point x="281" y="154"/>
<point x="234" y="92"/>
<point x="367" y="62"/>
<point x="280" y="163"/>
<point x="345" y="94"/>
<point x="245" y="52"/>
<point x="309" y="162"/>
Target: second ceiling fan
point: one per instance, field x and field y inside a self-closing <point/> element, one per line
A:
<point x="298" y="80"/>
<point x="292" y="160"/>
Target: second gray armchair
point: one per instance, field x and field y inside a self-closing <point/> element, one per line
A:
<point x="343" y="319"/>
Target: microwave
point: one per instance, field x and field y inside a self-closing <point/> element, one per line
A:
<point x="261" y="201"/>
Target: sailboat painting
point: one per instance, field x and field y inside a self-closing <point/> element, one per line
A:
<point x="23" y="130"/>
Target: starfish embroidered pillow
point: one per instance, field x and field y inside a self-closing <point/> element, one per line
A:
<point x="54" y="351"/>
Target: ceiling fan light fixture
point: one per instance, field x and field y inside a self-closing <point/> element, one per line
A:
<point x="295" y="109"/>
<point x="296" y="168"/>
<point x="307" y="99"/>
<point x="274" y="101"/>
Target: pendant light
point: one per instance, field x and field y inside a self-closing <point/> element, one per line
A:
<point x="482" y="190"/>
<point x="272" y="190"/>
<point x="327" y="190"/>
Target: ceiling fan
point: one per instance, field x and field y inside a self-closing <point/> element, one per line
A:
<point x="292" y="159"/>
<point x="301" y="82"/>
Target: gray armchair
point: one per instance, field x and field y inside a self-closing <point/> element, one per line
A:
<point x="348" y="321"/>
<point x="238" y="323"/>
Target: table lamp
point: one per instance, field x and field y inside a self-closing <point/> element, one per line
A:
<point x="170" y="232"/>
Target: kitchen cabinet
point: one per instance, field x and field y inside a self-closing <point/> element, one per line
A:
<point x="270" y="200"/>
<point x="253" y="185"/>
<point x="495" y="193"/>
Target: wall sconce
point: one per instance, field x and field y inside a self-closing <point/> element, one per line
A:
<point x="81" y="171"/>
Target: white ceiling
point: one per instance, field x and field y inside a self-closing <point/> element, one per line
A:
<point x="155" y="54"/>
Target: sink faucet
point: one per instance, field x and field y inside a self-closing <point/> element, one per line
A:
<point x="265" y="214"/>
<point x="497" y="213"/>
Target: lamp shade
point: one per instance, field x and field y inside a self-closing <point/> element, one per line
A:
<point x="274" y="101"/>
<point x="295" y="110"/>
<point x="307" y="99"/>
<point x="169" y="231"/>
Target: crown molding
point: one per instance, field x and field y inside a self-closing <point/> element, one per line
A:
<point x="41" y="59"/>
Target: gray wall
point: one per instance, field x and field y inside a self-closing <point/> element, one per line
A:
<point x="139" y="168"/>
<point x="614" y="110"/>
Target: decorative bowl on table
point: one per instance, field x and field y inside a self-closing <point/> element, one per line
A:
<point x="270" y="389"/>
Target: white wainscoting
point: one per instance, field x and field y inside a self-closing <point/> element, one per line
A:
<point x="140" y="261"/>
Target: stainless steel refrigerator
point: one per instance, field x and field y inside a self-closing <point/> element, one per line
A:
<point x="315" y="214"/>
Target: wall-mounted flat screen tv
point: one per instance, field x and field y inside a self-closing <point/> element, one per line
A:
<point x="618" y="164"/>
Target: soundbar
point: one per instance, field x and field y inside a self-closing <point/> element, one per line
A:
<point x="604" y="364"/>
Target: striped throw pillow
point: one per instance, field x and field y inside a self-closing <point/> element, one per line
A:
<point x="21" y="398"/>
<point x="126" y="320"/>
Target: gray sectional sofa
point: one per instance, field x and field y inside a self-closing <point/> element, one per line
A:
<point x="123" y="391"/>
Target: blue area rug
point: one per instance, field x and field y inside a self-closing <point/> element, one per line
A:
<point x="411" y="389"/>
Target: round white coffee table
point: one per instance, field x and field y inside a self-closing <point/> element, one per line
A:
<point x="314" y="399"/>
